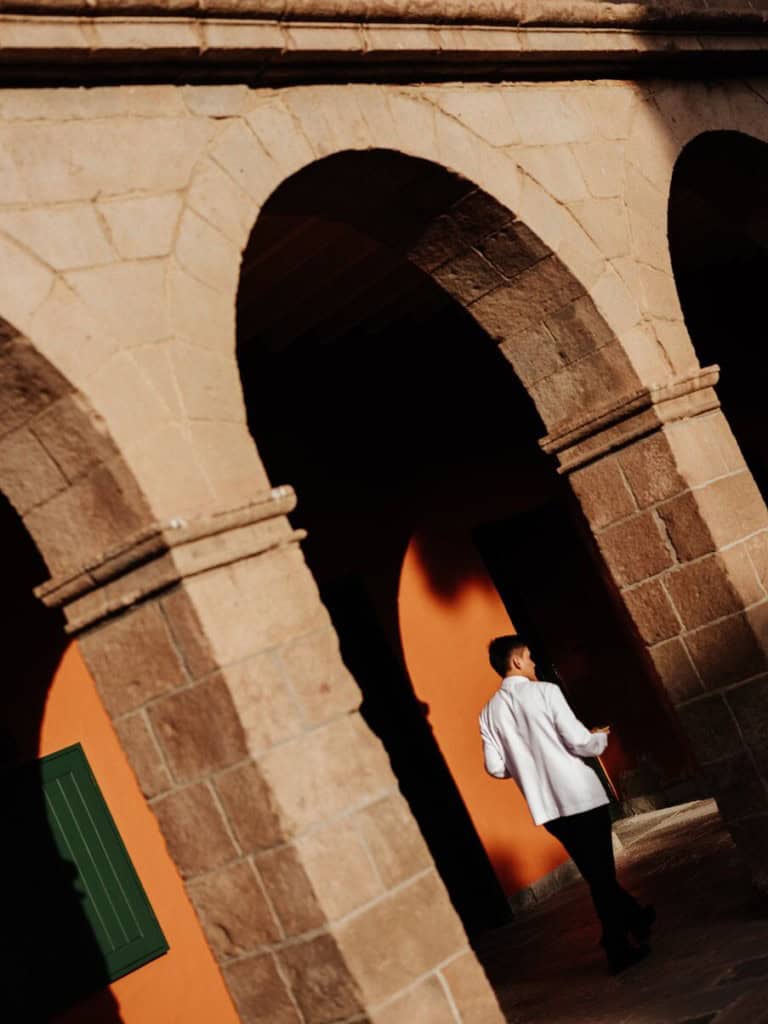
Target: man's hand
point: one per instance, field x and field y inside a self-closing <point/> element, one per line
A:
<point x="603" y="728"/>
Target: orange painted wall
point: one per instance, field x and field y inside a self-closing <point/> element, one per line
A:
<point x="184" y="986"/>
<point x="444" y="634"/>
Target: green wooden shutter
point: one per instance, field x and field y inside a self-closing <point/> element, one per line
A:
<point x="86" y="867"/>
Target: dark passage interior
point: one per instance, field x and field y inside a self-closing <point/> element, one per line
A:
<point x="718" y="239"/>
<point x="379" y="398"/>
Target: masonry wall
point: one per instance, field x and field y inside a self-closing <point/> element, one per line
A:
<point x="123" y="214"/>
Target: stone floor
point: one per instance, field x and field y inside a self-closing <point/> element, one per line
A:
<point x="709" y="963"/>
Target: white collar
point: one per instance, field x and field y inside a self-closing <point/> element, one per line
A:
<point x="508" y="681"/>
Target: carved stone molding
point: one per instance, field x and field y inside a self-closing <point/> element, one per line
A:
<point x="578" y="441"/>
<point x="275" y="43"/>
<point x="163" y="555"/>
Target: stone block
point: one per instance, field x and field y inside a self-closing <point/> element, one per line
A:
<point x="133" y="659"/>
<point x="342" y="763"/>
<point x="427" y="1003"/>
<point x="606" y="223"/>
<point x="200" y="314"/>
<point x="556" y="169"/>
<point x="216" y="100"/>
<point x="141" y="227"/>
<point x="234" y="911"/>
<point x="320" y="980"/>
<point x="216" y="197"/>
<point x="402" y="937"/>
<point x="484" y="113"/>
<point x="738" y="789"/>
<point x="700" y="448"/>
<point x="337" y="862"/>
<point x="290" y="890"/>
<point x="319" y="677"/>
<point x="548" y="116"/>
<point x="602" y="166"/>
<point x="110" y="293"/>
<point x="194" y="830"/>
<point x="188" y="635"/>
<point x="603" y="493"/>
<point x="279" y="593"/>
<point x="757" y="546"/>
<point x="229" y="459"/>
<point x="277" y="131"/>
<point x="726" y="652"/>
<point x="259" y="992"/>
<point x="652" y="611"/>
<point x="63" y="237"/>
<point x="266" y="706"/>
<point x="711" y="517"/>
<point x="749" y="706"/>
<point x="25" y="283"/>
<point x="471" y="991"/>
<point x="651" y="470"/>
<point x="242" y="156"/>
<point x="199" y="729"/>
<point x="584" y="384"/>
<point x="676" y="672"/>
<point x="468" y="277"/>
<point x="394" y="841"/>
<point x="250" y="806"/>
<point x="208" y="382"/>
<point x="30" y="477"/>
<point x="578" y="329"/>
<point x="713" y="587"/>
<point x="617" y="304"/>
<point x="635" y="549"/>
<point x="440" y="242"/>
<point x="144" y="754"/>
<point x="710" y="727"/>
<point x="206" y="253"/>
<point x="74" y="435"/>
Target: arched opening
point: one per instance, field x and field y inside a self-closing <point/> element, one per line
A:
<point x="434" y="520"/>
<point x="718" y="241"/>
<point x="88" y="876"/>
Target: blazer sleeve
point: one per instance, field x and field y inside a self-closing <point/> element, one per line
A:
<point x="575" y="736"/>
<point x="494" y="759"/>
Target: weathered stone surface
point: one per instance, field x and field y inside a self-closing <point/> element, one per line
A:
<point x="74" y="435"/>
<point x="393" y="839"/>
<point x="400" y="938"/>
<point x="133" y="659"/>
<point x="676" y="671"/>
<point x="199" y="729"/>
<point x="342" y="763"/>
<point x="468" y="276"/>
<point x="194" y="830"/>
<point x="110" y="292"/>
<point x="651" y="470"/>
<point x="726" y="652"/>
<point x="290" y="890"/>
<point x="652" y="611"/>
<point x="710" y="517"/>
<point x="713" y="587"/>
<point x="144" y="754"/>
<point x="471" y="991"/>
<point x="321" y="981"/>
<point x="29" y="475"/>
<point x="635" y="549"/>
<point x="259" y="992"/>
<point x="319" y="677"/>
<point x="267" y="708"/>
<point x="63" y="237"/>
<point x="188" y="635"/>
<point x="426" y="1003"/>
<point x="339" y="866"/>
<point x="757" y="547"/>
<point x="250" y="807"/>
<point x="711" y="729"/>
<point x="603" y="493"/>
<point x="143" y="226"/>
<point x="234" y="910"/>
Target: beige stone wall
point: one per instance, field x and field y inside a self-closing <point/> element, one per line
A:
<point x="123" y="215"/>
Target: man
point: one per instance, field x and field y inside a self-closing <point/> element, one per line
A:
<point x="531" y="735"/>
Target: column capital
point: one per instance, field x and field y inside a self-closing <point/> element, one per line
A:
<point x="628" y="417"/>
<point x="168" y="552"/>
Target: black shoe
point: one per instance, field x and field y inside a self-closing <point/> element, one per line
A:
<point x="621" y="956"/>
<point x="642" y="922"/>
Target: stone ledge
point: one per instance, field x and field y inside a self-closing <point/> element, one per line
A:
<point x="162" y="555"/>
<point x="119" y="40"/>
<point x="578" y="441"/>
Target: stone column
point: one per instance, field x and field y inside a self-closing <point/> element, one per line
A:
<point x="219" y="666"/>
<point x="683" y="531"/>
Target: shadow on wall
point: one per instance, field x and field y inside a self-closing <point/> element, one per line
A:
<point x="53" y="968"/>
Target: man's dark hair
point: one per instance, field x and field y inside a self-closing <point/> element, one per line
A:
<point x="501" y="649"/>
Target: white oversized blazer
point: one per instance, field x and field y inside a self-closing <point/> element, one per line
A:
<point x="531" y="735"/>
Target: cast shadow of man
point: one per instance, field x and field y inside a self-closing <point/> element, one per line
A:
<point x="53" y="969"/>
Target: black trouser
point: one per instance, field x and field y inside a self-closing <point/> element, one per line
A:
<point x="587" y="838"/>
